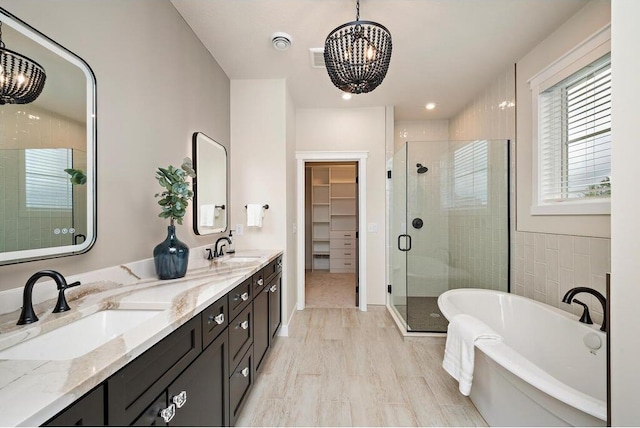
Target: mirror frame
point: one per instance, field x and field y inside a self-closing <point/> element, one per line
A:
<point x="20" y="256"/>
<point x="199" y="138"/>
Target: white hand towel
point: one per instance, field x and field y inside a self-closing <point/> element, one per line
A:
<point x="463" y="331"/>
<point x="255" y="212"/>
<point x="207" y="213"/>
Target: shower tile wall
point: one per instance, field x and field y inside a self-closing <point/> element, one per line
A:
<point x="44" y="130"/>
<point x="490" y="115"/>
<point x="543" y="266"/>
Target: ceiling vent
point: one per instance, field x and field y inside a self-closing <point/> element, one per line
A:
<point x="317" y="57"/>
<point x="281" y="41"/>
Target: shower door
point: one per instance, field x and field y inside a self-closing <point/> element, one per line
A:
<point x="398" y="229"/>
<point x="449" y="225"/>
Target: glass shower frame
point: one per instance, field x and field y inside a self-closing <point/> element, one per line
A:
<point x="449" y="225"/>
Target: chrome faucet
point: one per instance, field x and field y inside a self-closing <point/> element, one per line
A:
<point x="568" y="297"/>
<point x="219" y="253"/>
<point x="28" y="315"/>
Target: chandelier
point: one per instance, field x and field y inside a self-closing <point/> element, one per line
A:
<point x="357" y="55"/>
<point x="21" y="79"/>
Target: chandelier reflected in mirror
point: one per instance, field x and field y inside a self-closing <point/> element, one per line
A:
<point x="357" y="55"/>
<point x="21" y="78"/>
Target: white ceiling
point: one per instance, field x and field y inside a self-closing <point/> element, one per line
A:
<point x="444" y="51"/>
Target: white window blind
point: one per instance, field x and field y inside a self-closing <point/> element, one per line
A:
<point x="574" y="120"/>
<point x="47" y="184"/>
<point x="467" y="176"/>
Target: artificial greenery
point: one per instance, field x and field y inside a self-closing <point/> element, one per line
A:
<point x="174" y="200"/>
<point x="77" y="176"/>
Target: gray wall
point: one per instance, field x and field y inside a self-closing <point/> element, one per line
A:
<point x="157" y="84"/>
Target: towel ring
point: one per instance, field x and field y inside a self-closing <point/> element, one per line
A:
<point x="265" y="206"/>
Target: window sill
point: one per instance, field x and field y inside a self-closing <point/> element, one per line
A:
<point x="581" y="207"/>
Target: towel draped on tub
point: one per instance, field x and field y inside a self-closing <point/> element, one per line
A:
<point x="463" y="332"/>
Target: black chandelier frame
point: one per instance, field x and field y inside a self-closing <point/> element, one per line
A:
<point x="346" y="50"/>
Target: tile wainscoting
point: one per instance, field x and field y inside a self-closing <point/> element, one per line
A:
<point x="548" y="265"/>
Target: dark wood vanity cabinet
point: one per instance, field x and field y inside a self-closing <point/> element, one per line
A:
<point x="87" y="411"/>
<point x="199" y="375"/>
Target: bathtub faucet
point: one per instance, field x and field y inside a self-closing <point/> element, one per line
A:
<point x="603" y="301"/>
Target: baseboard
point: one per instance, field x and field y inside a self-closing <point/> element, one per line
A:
<point x="284" y="328"/>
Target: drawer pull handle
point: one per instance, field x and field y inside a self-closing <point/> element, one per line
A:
<point x="267" y="289"/>
<point x="244" y="296"/>
<point x="168" y="413"/>
<point x="347" y="264"/>
<point x="274" y="288"/>
<point x="245" y="372"/>
<point x="219" y="319"/>
<point x="180" y="399"/>
<point x="347" y="254"/>
<point x="347" y="244"/>
<point x="244" y="325"/>
<point x="260" y="281"/>
<point x="279" y="264"/>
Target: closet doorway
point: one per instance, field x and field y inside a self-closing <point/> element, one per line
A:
<point x="310" y="157"/>
<point x="331" y="232"/>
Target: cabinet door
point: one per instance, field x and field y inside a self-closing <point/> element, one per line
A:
<point x="261" y="326"/>
<point x="275" y="308"/>
<point x="87" y="411"/>
<point x="200" y="393"/>
<point x="240" y="382"/>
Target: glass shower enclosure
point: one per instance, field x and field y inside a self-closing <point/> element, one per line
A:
<point x="449" y="225"/>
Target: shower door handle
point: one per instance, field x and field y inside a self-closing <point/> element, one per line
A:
<point x="408" y="242"/>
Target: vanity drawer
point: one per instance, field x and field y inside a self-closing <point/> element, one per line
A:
<point x="214" y="320"/>
<point x="240" y="297"/>
<point x="136" y="385"/>
<point x="240" y="335"/>
<point x="274" y="267"/>
<point x="343" y="243"/>
<point x="342" y="266"/>
<point x="258" y="280"/>
<point x="240" y="382"/>
<point x="342" y="253"/>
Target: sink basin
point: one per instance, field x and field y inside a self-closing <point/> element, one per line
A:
<point x="246" y="259"/>
<point x="79" y="337"/>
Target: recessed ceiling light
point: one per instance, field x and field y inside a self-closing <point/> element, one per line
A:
<point x="346" y="96"/>
<point x="430" y="106"/>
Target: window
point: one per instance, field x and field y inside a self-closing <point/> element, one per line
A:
<point x="466" y="176"/>
<point x="573" y="133"/>
<point x="47" y="166"/>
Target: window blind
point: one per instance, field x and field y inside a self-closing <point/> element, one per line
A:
<point x="47" y="184"/>
<point x="575" y="135"/>
<point x="466" y="176"/>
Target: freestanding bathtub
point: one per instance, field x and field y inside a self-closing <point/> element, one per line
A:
<point x="547" y="370"/>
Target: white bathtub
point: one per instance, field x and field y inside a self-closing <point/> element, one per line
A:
<point x="542" y="374"/>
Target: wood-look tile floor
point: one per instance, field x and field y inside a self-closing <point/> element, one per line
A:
<point x="343" y="367"/>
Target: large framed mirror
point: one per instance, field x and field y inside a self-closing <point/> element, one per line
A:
<point x="209" y="186"/>
<point x="47" y="150"/>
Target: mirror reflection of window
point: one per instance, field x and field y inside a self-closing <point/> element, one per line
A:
<point x="47" y="185"/>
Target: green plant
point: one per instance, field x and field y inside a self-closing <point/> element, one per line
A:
<point x="174" y="200"/>
<point x="77" y="176"/>
<point x="601" y="189"/>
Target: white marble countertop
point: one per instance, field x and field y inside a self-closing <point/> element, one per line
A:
<point x="32" y="391"/>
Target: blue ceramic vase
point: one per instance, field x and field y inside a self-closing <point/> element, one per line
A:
<point x="171" y="256"/>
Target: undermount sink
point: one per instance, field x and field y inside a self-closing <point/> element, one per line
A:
<point x="79" y="337"/>
<point x="237" y="259"/>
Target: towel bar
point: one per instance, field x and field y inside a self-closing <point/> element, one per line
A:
<point x="265" y="206"/>
<point x="222" y="207"/>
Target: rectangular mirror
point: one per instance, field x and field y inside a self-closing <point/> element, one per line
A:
<point x="209" y="186"/>
<point x="47" y="149"/>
